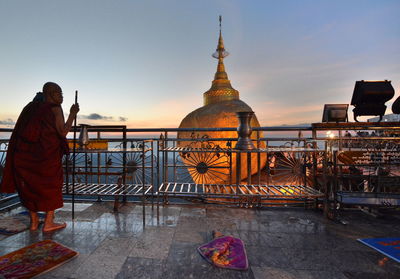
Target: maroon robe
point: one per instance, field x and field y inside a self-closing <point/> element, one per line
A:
<point x="34" y="159"/>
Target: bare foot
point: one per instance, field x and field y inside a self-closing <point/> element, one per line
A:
<point x="34" y="226"/>
<point x="34" y="221"/>
<point x="53" y="227"/>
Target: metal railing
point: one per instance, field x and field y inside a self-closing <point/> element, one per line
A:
<point x="291" y="165"/>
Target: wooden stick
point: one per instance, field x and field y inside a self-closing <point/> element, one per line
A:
<point x="74" y="161"/>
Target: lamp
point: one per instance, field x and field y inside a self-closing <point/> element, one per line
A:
<point x="369" y="98"/>
<point x="396" y="106"/>
<point x="335" y="113"/>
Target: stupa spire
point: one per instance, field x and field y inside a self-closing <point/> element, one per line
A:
<point x="220" y="53"/>
<point x="221" y="88"/>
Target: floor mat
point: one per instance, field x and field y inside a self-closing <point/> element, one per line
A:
<point x="34" y="259"/>
<point x="387" y="246"/>
<point x="225" y="252"/>
<point x="17" y="223"/>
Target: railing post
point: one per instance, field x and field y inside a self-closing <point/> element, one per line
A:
<point x="143" y="173"/>
<point x="152" y="173"/>
<point x="248" y="168"/>
<point x="165" y="154"/>
<point x="258" y="159"/>
<point x="325" y="182"/>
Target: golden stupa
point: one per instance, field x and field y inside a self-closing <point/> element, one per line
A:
<point x="221" y="102"/>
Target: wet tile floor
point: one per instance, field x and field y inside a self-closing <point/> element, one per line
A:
<point x="280" y="243"/>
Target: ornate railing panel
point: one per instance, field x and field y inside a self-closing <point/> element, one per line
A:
<point x="129" y="167"/>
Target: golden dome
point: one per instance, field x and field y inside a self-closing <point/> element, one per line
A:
<point x="221" y="102"/>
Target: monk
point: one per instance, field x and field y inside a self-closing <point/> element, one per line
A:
<point x="34" y="157"/>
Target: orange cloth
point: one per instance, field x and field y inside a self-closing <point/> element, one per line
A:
<point x="34" y="159"/>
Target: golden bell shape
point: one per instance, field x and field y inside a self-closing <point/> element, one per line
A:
<point x="221" y="104"/>
<point x="83" y="136"/>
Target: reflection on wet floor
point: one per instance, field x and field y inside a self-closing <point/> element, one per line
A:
<point x="161" y="242"/>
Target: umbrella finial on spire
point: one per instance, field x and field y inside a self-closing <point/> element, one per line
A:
<point x="220" y="52"/>
<point x="221" y="88"/>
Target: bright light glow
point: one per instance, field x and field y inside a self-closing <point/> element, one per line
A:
<point x="329" y="134"/>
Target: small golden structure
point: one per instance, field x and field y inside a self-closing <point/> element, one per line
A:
<point x="221" y="103"/>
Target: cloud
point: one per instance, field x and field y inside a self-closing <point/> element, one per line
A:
<point x="7" y="122"/>
<point x="96" y="116"/>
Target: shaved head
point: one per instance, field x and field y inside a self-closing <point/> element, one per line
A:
<point x="50" y="87"/>
<point x="52" y="92"/>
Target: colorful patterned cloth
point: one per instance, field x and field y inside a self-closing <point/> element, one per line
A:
<point x="225" y="252"/>
<point x="34" y="259"/>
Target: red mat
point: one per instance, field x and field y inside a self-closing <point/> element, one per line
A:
<point x="34" y="259"/>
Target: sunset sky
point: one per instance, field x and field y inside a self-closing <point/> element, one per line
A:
<point x="148" y="63"/>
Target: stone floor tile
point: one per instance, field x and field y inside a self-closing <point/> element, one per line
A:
<point x="316" y="274"/>
<point x="162" y="220"/>
<point x="153" y="243"/>
<point x="263" y="256"/>
<point x="167" y="210"/>
<point x="190" y="236"/>
<point x="184" y="261"/>
<point x="88" y="214"/>
<point x="78" y="207"/>
<point x="126" y="208"/>
<point x="355" y="261"/>
<point x="99" y="267"/>
<point x="140" y="268"/>
<point x="77" y="226"/>
<point x="84" y="242"/>
<point x="287" y="226"/>
<point x="193" y="223"/>
<point x="368" y="275"/>
<point x="348" y="243"/>
<point x="193" y="211"/>
<point x="123" y="234"/>
<point x="307" y="241"/>
<point x="67" y="269"/>
<point x="280" y="242"/>
<point x="274" y="273"/>
<point x="114" y="246"/>
<point x="264" y="239"/>
<point x="321" y="260"/>
<point x="252" y="225"/>
<point x="387" y="264"/>
<point x="50" y="276"/>
<point x="21" y="239"/>
<point x="221" y="224"/>
<point x="230" y="213"/>
<point x="118" y="222"/>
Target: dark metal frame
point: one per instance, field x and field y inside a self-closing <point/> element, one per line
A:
<point x="324" y="167"/>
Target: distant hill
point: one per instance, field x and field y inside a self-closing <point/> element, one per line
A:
<point x="294" y="125"/>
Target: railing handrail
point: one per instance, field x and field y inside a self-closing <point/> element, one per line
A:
<point x="117" y="128"/>
<point x="311" y="127"/>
